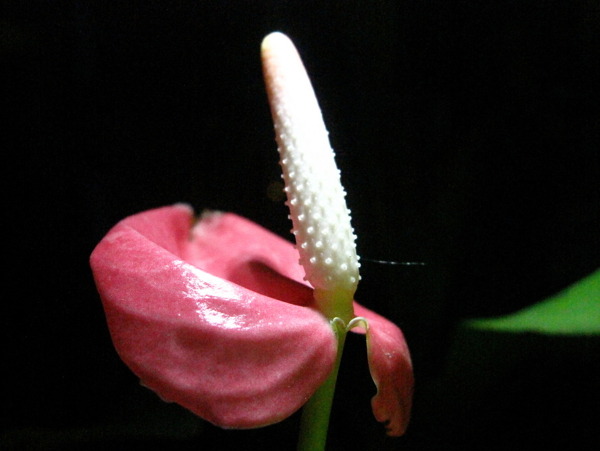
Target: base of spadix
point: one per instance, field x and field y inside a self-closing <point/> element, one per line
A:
<point x="335" y="303"/>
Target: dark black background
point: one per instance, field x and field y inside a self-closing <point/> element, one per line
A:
<point x="467" y="134"/>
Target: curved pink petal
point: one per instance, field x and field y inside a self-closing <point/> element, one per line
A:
<point x="236" y="249"/>
<point x="204" y="319"/>
<point x="391" y="370"/>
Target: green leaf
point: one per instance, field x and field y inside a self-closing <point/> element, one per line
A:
<point x="573" y="311"/>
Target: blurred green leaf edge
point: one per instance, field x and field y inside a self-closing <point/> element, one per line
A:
<point x="573" y="311"/>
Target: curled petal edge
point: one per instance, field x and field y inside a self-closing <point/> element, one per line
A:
<point x="391" y="369"/>
<point x="201" y="315"/>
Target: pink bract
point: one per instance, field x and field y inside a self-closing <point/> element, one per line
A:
<point x="215" y="315"/>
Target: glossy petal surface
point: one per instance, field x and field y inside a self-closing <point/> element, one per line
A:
<point x="213" y="316"/>
<point x="391" y="369"/>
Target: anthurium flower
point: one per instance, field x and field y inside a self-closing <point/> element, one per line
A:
<point x="217" y="315"/>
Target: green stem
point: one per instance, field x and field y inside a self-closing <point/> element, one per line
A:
<point x="316" y="412"/>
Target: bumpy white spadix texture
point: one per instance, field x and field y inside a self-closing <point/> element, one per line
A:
<point x="324" y="236"/>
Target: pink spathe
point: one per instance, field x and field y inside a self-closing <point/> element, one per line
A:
<point x="215" y="315"/>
